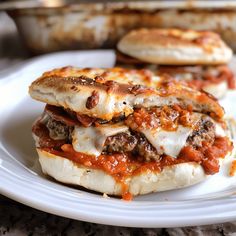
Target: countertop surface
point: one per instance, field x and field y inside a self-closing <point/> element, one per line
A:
<point x="18" y="219"/>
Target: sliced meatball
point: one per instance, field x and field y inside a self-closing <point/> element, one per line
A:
<point x="122" y="142"/>
<point x="205" y="132"/>
<point x="58" y="130"/>
<point x="44" y="140"/>
<point x="145" y="150"/>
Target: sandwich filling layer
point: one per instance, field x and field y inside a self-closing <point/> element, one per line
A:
<point x="149" y="139"/>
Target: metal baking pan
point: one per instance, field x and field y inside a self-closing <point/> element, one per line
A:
<point x="65" y="25"/>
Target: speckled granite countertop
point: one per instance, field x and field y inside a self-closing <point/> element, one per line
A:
<point x="17" y="219"/>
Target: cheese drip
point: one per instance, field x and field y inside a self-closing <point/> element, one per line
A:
<point x="171" y="142"/>
<point x="168" y="142"/>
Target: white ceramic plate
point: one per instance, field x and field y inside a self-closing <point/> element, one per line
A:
<point x="21" y="179"/>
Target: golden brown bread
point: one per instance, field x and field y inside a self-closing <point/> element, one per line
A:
<point x="117" y="92"/>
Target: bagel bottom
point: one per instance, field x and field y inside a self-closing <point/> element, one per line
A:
<point x="171" y="177"/>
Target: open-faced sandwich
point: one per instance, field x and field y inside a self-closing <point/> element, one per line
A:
<point x="197" y="57"/>
<point x="108" y="131"/>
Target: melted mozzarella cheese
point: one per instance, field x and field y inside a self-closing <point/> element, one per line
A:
<point x="169" y="142"/>
<point x="220" y="132"/>
<point x="86" y="140"/>
<point x="90" y="140"/>
<point x="109" y="130"/>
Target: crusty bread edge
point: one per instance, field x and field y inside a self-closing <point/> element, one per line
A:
<point x="177" y="56"/>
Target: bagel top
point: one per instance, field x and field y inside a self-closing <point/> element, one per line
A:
<point x="175" y="47"/>
<point x="108" y="93"/>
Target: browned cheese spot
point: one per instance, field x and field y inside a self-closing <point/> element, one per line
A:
<point x="92" y="100"/>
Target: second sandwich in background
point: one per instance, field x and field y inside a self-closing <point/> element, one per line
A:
<point x="198" y="58"/>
